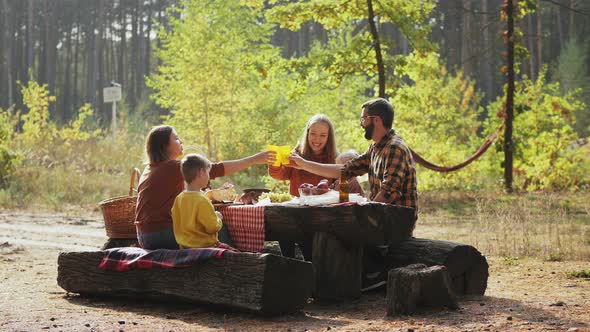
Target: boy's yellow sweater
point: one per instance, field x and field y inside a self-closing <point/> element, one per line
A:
<point x="195" y="222"/>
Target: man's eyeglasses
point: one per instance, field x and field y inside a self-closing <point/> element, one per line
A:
<point x="363" y="118"/>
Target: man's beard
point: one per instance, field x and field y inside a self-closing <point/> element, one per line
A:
<point x="369" y="131"/>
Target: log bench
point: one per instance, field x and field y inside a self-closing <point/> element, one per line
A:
<point x="261" y="283"/>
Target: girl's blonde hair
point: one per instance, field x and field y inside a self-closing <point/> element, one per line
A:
<point x="330" y="148"/>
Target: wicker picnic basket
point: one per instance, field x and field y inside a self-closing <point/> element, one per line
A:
<point x="119" y="213"/>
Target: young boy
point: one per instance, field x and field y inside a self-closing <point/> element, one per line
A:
<point x="195" y="221"/>
<point x="353" y="185"/>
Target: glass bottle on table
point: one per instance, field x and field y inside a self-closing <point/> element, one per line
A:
<point x="343" y="191"/>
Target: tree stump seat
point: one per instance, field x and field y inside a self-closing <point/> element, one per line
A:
<point x="418" y="285"/>
<point x="261" y="283"/>
<point x="466" y="266"/>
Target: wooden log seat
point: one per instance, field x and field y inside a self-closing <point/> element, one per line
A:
<point x="261" y="283"/>
<point x="418" y="285"/>
<point x="118" y="243"/>
<point x="467" y="267"/>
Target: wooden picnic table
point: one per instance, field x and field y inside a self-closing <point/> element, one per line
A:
<point x="339" y="231"/>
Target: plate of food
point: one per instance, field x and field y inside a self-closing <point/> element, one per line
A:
<point x="251" y="195"/>
<point x="227" y="192"/>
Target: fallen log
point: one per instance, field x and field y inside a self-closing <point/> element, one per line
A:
<point x="466" y="266"/>
<point x="119" y="243"/>
<point x="262" y="283"/>
<point x="418" y="285"/>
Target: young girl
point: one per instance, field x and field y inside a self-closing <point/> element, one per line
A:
<point x="162" y="181"/>
<point x="317" y="144"/>
<point x="353" y="184"/>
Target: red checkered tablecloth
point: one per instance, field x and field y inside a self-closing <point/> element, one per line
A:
<point x="246" y="226"/>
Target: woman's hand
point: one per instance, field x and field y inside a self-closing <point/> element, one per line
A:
<point x="262" y="157"/>
<point x="295" y="161"/>
<point x="219" y="215"/>
<point x="271" y="157"/>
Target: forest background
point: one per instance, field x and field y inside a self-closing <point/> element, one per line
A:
<point x="233" y="76"/>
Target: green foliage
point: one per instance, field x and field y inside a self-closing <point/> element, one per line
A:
<point x="9" y="158"/>
<point x="437" y="114"/>
<point x="37" y="129"/>
<point x="580" y="274"/>
<point x="354" y="54"/>
<point x="213" y="59"/>
<point x="546" y="157"/>
<point x="48" y="165"/>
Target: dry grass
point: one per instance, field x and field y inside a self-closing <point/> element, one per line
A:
<point x="550" y="226"/>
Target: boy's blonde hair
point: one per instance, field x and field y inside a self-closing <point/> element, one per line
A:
<point x="346" y="156"/>
<point x="191" y="164"/>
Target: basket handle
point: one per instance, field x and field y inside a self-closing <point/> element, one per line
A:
<point x="134" y="173"/>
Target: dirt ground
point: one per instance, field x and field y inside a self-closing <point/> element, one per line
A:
<point x="522" y="295"/>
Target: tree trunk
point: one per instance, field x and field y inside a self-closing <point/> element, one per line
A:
<point x="466" y="43"/>
<point x="51" y="49"/>
<point x="67" y="88"/>
<point x="530" y="33"/>
<point x="148" y="44"/>
<point x="132" y="88"/>
<point x="467" y="267"/>
<point x="100" y="60"/>
<point x="508" y="145"/>
<point x="122" y="46"/>
<point x="75" y="83"/>
<point x="488" y="75"/>
<point x="140" y="46"/>
<point x="7" y="52"/>
<point x="264" y="284"/>
<point x="571" y="30"/>
<point x="30" y="42"/>
<point x="92" y="62"/>
<point x="377" y="47"/>
<point x="558" y="23"/>
<point x="539" y="39"/>
<point x="415" y="285"/>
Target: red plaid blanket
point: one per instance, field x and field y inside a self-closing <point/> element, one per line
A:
<point x="246" y="226"/>
<point x="125" y="259"/>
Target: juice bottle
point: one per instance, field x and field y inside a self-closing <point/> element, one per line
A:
<point x="343" y="192"/>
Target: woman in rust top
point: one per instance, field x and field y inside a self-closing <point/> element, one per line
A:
<point x="161" y="181"/>
<point x="317" y="144"/>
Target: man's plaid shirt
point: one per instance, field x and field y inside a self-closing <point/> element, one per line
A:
<point x="391" y="170"/>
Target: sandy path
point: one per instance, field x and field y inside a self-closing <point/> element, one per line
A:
<point x="527" y="295"/>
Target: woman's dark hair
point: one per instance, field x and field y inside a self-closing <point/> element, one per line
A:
<point x="156" y="143"/>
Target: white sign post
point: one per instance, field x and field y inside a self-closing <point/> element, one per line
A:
<point x="113" y="95"/>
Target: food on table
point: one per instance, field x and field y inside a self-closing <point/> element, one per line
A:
<point x="251" y="196"/>
<point x="227" y="192"/>
<point x="276" y="197"/>
<point x="306" y="189"/>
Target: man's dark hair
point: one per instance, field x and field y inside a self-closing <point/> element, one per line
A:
<point x="382" y="108"/>
<point x="191" y="164"/>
